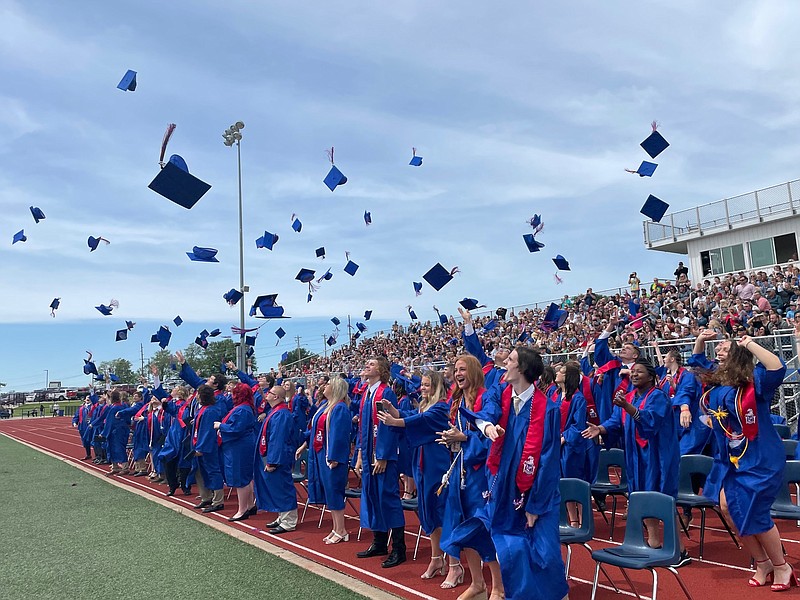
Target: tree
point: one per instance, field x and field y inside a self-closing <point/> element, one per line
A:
<point x="210" y="360"/>
<point x="295" y="357"/>
<point x="162" y="360"/>
<point x="122" y="368"/>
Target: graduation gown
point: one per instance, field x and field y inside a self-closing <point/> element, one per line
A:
<point x="652" y="457"/>
<point x="238" y="438"/>
<point x="140" y="440"/>
<point x="329" y="484"/>
<point x="115" y="431"/>
<point x="686" y="389"/>
<point x="175" y="442"/>
<point x="97" y="424"/>
<point x="575" y="459"/>
<point x="275" y="491"/>
<point x="406" y="407"/>
<point x="608" y="382"/>
<point x="492" y="374"/>
<point x="208" y="464"/>
<point x="82" y="418"/>
<point x="381" y="509"/>
<point x="751" y="488"/>
<point x="429" y="462"/>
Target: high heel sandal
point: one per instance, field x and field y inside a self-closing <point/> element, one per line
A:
<point x="447" y="585"/>
<point x="782" y="587"/>
<point x="575" y="524"/>
<point x="335" y="538"/>
<point x="437" y="571"/>
<point x="769" y="577"/>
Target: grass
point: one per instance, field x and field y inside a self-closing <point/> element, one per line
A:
<point x="68" y="535"/>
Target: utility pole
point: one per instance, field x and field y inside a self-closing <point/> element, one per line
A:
<point x="325" y="345"/>
<point x="141" y="351"/>
<point x="300" y="358"/>
<point x="349" y="330"/>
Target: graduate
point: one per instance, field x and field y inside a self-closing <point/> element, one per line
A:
<point x="176" y="442"/>
<point x="406" y="405"/>
<point x="329" y="453"/>
<point x="115" y="432"/>
<point x="81" y="420"/>
<point x="376" y="463"/>
<point x="615" y="368"/>
<point x="206" y="464"/>
<point x="273" y="462"/>
<point x="645" y="422"/>
<point x="158" y="422"/>
<point x="466" y="481"/>
<point x="300" y="409"/>
<point x="429" y="463"/>
<point x="547" y="383"/>
<point x="260" y="386"/>
<point x="96" y="425"/>
<point x="493" y="369"/>
<point x="136" y="414"/>
<point x="217" y="381"/>
<point x="749" y="460"/>
<point x="523" y="501"/>
<point x="236" y="437"/>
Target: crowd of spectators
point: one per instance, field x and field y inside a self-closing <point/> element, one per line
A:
<point x="758" y="303"/>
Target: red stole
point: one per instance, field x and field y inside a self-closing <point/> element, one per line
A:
<point x="181" y="409"/>
<point x="564" y="408"/>
<point x="150" y="426"/>
<point x="630" y="396"/>
<point x="488" y="367"/>
<point x="673" y="385"/>
<point x="225" y="420"/>
<point x="600" y="372"/>
<point x="197" y="424"/>
<point x="591" y="407"/>
<point x="532" y="450"/>
<point x="746" y="410"/>
<point x="319" y="432"/>
<point x="378" y="396"/>
<point x="262" y="442"/>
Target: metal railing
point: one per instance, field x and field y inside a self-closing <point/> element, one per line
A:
<point x="728" y="213"/>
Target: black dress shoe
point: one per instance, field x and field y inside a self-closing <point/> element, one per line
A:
<point x="373" y="550"/>
<point x="203" y="504"/>
<point x="215" y="508"/>
<point x="244" y="517"/>
<point x="252" y="512"/>
<point x="272" y="525"/>
<point x="395" y="558"/>
<point x="171" y="493"/>
<point x="187" y="491"/>
<point x="279" y="530"/>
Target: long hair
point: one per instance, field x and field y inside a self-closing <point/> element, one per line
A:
<point x="572" y="378"/>
<point x="205" y="394"/>
<point x="338" y="393"/>
<point x="437" y="390"/>
<point x="383" y="367"/>
<point x="475" y="381"/>
<point x="736" y="370"/>
<point x="292" y="389"/>
<point x="242" y="394"/>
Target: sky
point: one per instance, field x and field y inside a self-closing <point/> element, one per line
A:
<point x="516" y="110"/>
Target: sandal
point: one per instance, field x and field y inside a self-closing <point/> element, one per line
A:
<point x="753" y="582"/>
<point x="449" y="585"/>
<point x="335" y="538"/>
<point x="782" y="587"/>
<point x="437" y="571"/>
<point x="575" y="524"/>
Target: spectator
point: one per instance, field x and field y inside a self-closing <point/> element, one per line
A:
<point x="744" y="289"/>
<point x="634" y="282"/>
<point x="681" y="271"/>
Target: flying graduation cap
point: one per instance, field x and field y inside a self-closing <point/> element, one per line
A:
<point x="106" y="310"/>
<point x="491" y="325"/>
<point x="334" y="177"/>
<point x="174" y="181"/>
<point x="214" y="333"/>
<point x="367" y="218"/>
<point x="411" y="313"/>
<point x="89" y="367"/>
<point x="471" y="304"/>
<point x="367" y="315"/>
<point x="162" y="337"/>
<point x="442" y="318"/>
<point x="54" y="306"/>
<point x="361" y="327"/>
<point x="280" y="333"/>
<point x="417" y="287"/>
<point x="233" y="296"/>
<point x="250" y="340"/>
<point x="646" y="169"/>
<point x="438" y="277"/>
<point x="416" y="161"/>
<point x="331" y="341"/>
<point x="19" y="237"/>
<point x="113" y="378"/>
<point x="177" y="320"/>
<point x="531" y="243"/>
<point x="336" y="321"/>
<point x="655" y="143"/>
<point x="130" y="325"/>
<point x="267" y="305"/>
<point x="320" y="252"/>
<point x="37" y="213"/>
<point x="350" y="268"/>
<point x="268" y="240"/>
<point x="561" y="263"/>
<point x="122" y="335"/>
<point x="654" y="208"/>
<point x="296" y="224"/>
<point x="553" y="318"/>
<point x="128" y="82"/>
<point x="199" y="254"/>
<point x="94" y="242"/>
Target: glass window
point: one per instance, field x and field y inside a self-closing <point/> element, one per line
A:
<point x="716" y="261"/>
<point x="762" y="253"/>
<point x="785" y="248"/>
<point x="733" y="258"/>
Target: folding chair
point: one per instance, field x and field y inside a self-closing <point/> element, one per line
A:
<point x="612" y="457"/>
<point x="783" y="431"/>
<point x="783" y="507"/>
<point x="635" y="553"/>
<point x="299" y="477"/>
<point x="790" y="448"/>
<point x="412" y="505"/>
<point x="701" y="465"/>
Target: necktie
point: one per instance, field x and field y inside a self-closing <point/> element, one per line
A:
<point x="518" y="402"/>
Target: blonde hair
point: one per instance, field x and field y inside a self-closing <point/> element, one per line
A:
<point x="338" y="388"/>
<point x="437" y="390"/>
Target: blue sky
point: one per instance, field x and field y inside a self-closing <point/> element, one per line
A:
<point x="515" y="109"/>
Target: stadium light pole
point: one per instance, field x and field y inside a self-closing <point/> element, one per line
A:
<point x="233" y="136"/>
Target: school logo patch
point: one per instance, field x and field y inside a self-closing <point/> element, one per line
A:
<point x="750" y="417"/>
<point x="528" y="467"/>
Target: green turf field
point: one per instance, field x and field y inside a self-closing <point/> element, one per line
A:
<point x="68" y="535"/>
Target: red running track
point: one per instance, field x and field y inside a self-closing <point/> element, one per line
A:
<point x="723" y="571"/>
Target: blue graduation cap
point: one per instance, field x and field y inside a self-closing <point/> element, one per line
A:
<point x="267" y="305"/>
<point x="331" y="341"/>
<point x="122" y="334"/>
<point x="305" y="275"/>
<point x="280" y="333"/>
<point x="442" y="318"/>
<point x="646" y="169"/>
<point x="175" y="183"/>
<point x="336" y="321"/>
<point x="268" y="240"/>
<point x="417" y="287"/>
<point x="361" y="327"/>
<point x="308" y="298"/>
<point x="54" y="306"/>
<point x="489" y="326"/>
<point x="655" y="143"/>
<point x="113" y="378"/>
<point x="154" y="338"/>
<point x="177" y="320"/>
<point x="561" y="263"/>
<point x="88" y="367"/>
<point x="284" y="356"/>
<point x="523" y="337"/>
<point x="296" y="224"/>
<point x="94" y="242"/>
<point x="320" y="252"/>
<point x="37" y="213"/>
<point x="334" y="178"/>
<point x="411" y="313"/>
<point x="201" y="341"/>
<point x="327" y="276"/>
<point x="99" y="377"/>
<point x="105" y="310"/>
<point x="654" y="208"/>
<point x="163" y="336"/>
<point x="531" y="243"/>
<point x="199" y="254"/>
<point x="19" y="237"/>
<point x="250" y="352"/>
<point x="250" y="340"/>
<point x="204" y="333"/>
<point x="214" y="333"/>
<point x="128" y="82"/>
<point x="438" y="277"/>
<point x="233" y="296"/>
<point x="350" y="268"/>
<point x="357" y="335"/>
<point x="553" y="318"/>
<point x="367" y="315"/>
<point x="367" y="217"/>
<point x="471" y="304"/>
<point x="535" y="222"/>
<point x="129" y="325"/>
<point x="416" y="161"/>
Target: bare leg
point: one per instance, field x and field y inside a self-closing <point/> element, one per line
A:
<point x="572" y="514"/>
<point x="752" y="544"/>
<point x="437" y="558"/>
<point x="338" y="522"/>
<point x="498" y="590"/>
<point x="478" y="586"/>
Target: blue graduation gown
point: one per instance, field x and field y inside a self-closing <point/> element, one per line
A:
<point x="429" y="462"/>
<point x="275" y="491"/>
<point x="611" y="379"/>
<point x="654" y="467"/>
<point x="238" y="443"/>
<point x="82" y="419"/>
<point x="751" y="489"/>
<point x="381" y="509"/>
<point x="329" y="484"/>
<point x="175" y="445"/>
<point x="692" y="439"/>
<point x="300" y="407"/>
<point x="115" y="431"/>
<point x="491" y="373"/>
<point x="97" y="424"/>
<point x="575" y="452"/>
<point x="140" y="439"/>
<point x="208" y="463"/>
<point x="406" y="407"/>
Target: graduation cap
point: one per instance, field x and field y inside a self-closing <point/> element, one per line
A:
<point x="268" y="240"/>
<point x="489" y="326"/>
<point x="177" y="320"/>
<point x="470" y="304"/>
<point x="128" y="82"/>
<point x="305" y="275"/>
<point x="175" y="183"/>
<point x="331" y="341"/>
<point x="553" y="318"/>
<point x="88" y="365"/>
<point x="646" y="169"/>
<point x="442" y="318"/>
<point x="654" y="208"/>
<point x="122" y="334"/>
<point x="438" y="277"/>
<point x="361" y="327"/>
<point x="199" y="254"/>
<point x="327" y="276"/>
<point x="232" y="297"/>
<point x="129" y="325"/>
<point x="113" y="378"/>
<point x="334" y="178"/>
<point x="655" y="143"/>
<point x="523" y="337"/>
<point x="19" y="237"/>
<point x="284" y="356"/>
<point x="296" y="224"/>
<point x="416" y="161"/>
<point x="201" y="341"/>
<point x="250" y="352"/>
<point x="367" y="315"/>
<point x="561" y="263"/>
<point x="99" y="377"/>
<point x="417" y="287"/>
<point x="37" y="213"/>
<point x="214" y="333"/>
<point x="367" y="217"/>
<point x="94" y="242"/>
<point x="106" y="310"/>
<point x="350" y="268"/>
<point x="163" y="336"/>
<point x="357" y="335"/>
<point x="267" y="305"/>
<point x="411" y="313"/>
<point x="320" y="252"/>
<point x="250" y="340"/>
<point x="54" y="306"/>
<point x="280" y="333"/>
<point x="531" y="243"/>
<point x="336" y="321"/>
<point x="536" y="223"/>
